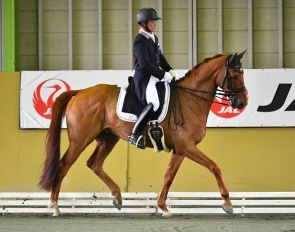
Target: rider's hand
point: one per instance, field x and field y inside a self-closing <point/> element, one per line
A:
<point x="167" y="77"/>
<point x="173" y="73"/>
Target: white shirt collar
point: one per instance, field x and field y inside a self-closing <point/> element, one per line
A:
<point x="147" y="35"/>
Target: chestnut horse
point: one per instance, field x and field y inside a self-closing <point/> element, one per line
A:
<point x="91" y="115"/>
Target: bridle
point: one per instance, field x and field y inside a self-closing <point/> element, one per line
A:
<point x="230" y="93"/>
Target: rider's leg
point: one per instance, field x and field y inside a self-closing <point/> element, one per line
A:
<point x="137" y="137"/>
<point x="152" y="93"/>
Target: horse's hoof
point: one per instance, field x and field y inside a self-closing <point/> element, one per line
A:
<point x="228" y="209"/>
<point x="56" y="212"/>
<point x="166" y="214"/>
<point x="117" y="203"/>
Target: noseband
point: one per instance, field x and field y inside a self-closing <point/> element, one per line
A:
<point x="230" y="93"/>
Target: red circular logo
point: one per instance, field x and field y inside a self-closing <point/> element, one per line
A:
<point x="45" y="95"/>
<point x="224" y="110"/>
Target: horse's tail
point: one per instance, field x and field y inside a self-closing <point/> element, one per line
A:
<point x="50" y="168"/>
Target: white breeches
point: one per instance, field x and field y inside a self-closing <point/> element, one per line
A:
<point x="152" y="94"/>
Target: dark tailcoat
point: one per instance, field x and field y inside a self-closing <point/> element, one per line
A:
<point x="148" y="61"/>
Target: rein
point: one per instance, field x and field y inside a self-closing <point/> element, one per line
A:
<point x="175" y="101"/>
<point x="230" y="94"/>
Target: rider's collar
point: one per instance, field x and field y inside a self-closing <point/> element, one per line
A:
<point x="147" y="35"/>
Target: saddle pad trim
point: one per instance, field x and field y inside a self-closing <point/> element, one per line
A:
<point x="132" y="117"/>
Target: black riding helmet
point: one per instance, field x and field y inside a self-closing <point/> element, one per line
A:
<point x="145" y="15"/>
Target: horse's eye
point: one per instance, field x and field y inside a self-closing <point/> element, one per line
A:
<point x="235" y="77"/>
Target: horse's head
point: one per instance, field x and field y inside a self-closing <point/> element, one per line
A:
<point x="233" y="81"/>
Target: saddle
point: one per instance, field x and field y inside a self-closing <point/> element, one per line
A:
<point x="129" y="107"/>
<point x="132" y="104"/>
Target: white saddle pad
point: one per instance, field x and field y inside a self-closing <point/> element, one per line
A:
<point x="132" y="117"/>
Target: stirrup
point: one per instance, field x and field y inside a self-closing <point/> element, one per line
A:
<point x="137" y="140"/>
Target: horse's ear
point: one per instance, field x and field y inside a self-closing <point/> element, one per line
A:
<point x="242" y="54"/>
<point x="232" y="58"/>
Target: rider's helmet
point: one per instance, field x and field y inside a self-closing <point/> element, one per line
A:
<point x="147" y="14"/>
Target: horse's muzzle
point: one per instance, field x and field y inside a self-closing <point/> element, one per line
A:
<point x="237" y="103"/>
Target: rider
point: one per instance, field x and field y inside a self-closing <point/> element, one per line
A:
<point x="150" y="67"/>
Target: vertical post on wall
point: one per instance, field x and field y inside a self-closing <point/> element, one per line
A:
<point x="1" y="36"/>
<point x="195" y="32"/>
<point x="99" y="31"/>
<point x="220" y="27"/>
<point x="70" y="34"/>
<point x="40" y="35"/>
<point x="10" y="35"/>
<point x="160" y="23"/>
<point x="250" y="34"/>
<point x="190" y="33"/>
<point x="130" y="33"/>
<point x="280" y="26"/>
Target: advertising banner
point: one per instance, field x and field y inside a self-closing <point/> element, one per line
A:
<point x="271" y="101"/>
<point x="271" y="96"/>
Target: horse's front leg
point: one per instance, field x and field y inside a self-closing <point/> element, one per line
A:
<point x="196" y="155"/>
<point x="173" y="167"/>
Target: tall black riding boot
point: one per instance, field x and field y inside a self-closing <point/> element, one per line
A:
<point x="137" y="137"/>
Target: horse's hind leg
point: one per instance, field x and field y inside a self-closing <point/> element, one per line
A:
<point x="69" y="158"/>
<point x="105" y="144"/>
<point x="174" y="164"/>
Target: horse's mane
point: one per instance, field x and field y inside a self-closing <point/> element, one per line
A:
<point x="203" y="62"/>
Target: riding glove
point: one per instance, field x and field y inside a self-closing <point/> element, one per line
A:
<point x="167" y="77"/>
<point x="173" y="73"/>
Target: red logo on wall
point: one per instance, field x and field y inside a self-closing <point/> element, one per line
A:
<point x="224" y="110"/>
<point x="45" y="95"/>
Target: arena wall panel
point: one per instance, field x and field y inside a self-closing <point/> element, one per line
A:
<point x="251" y="159"/>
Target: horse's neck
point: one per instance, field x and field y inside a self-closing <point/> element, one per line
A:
<point x="205" y="77"/>
<point x="204" y="85"/>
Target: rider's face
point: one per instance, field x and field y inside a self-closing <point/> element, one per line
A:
<point x="151" y="25"/>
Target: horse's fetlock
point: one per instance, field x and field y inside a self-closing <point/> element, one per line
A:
<point x="116" y="194"/>
<point x="161" y="205"/>
<point x="225" y="196"/>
